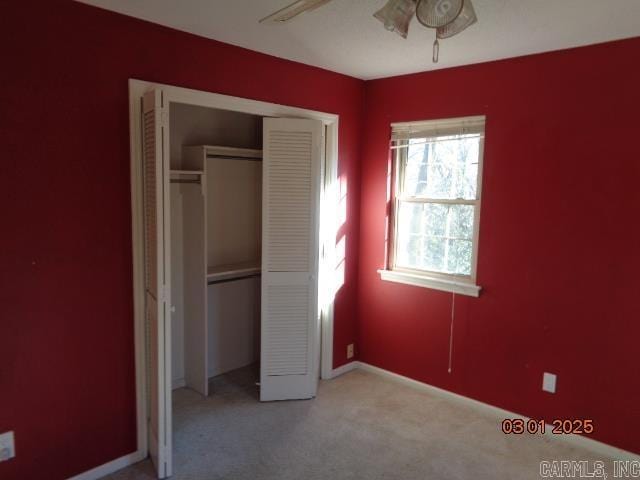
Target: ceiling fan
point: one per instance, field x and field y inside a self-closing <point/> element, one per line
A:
<point x="447" y="17"/>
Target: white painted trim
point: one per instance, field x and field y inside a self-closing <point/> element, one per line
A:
<point x="137" y="234"/>
<point x="110" y="467"/>
<point x="430" y="282"/>
<point x="326" y="343"/>
<point x="571" y="439"/>
<point x="137" y="88"/>
<point x="346" y="368"/>
<point x="226" y="102"/>
<point x="179" y="383"/>
<point x="328" y="228"/>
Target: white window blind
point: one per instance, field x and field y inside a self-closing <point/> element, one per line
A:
<point x="401" y="133"/>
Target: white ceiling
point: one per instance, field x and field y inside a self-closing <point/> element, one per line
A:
<point x="344" y="37"/>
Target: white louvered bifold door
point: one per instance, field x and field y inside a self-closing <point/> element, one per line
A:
<point x="292" y="150"/>
<point x="156" y="248"/>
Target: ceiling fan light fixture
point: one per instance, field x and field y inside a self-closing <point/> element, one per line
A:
<point x="290" y="11"/>
<point x="446" y="17"/>
<point x="396" y="16"/>
<point x="438" y="13"/>
<point x="466" y="18"/>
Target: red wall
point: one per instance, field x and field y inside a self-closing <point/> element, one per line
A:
<point x="66" y="329"/>
<point x="559" y="237"/>
<point x="558" y="261"/>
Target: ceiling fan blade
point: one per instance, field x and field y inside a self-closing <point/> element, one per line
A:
<point x="296" y="8"/>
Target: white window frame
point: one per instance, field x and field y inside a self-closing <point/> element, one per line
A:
<point x="462" y="284"/>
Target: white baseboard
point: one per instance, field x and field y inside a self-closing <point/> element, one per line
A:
<point x="178" y="383"/>
<point x="347" y="367"/>
<point x="572" y="439"/>
<point x="110" y="467"/>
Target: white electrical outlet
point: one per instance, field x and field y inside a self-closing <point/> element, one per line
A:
<point x="7" y="446"/>
<point x="350" y="350"/>
<point x="549" y="382"/>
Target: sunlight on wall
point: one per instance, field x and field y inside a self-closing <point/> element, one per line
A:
<point x="338" y="271"/>
<point x="333" y="211"/>
<point x="340" y="254"/>
<point x="342" y="202"/>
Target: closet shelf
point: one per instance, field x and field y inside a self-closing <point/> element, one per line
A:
<point x="214" y="151"/>
<point x="232" y="271"/>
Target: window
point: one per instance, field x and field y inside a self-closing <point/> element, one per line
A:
<point x="435" y="219"/>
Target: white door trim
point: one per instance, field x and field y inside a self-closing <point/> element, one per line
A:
<point x="213" y="100"/>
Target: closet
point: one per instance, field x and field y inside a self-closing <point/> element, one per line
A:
<point x="216" y="215"/>
<point x="229" y="218"/>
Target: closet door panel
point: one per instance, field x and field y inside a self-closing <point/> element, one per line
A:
<point x="156" y="247"/>
<point x="291" y="188"/>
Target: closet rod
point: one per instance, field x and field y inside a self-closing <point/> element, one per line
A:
<point x="184" y="181"/>
<point x="233" y="157"/>
<point x="226" y="280"/>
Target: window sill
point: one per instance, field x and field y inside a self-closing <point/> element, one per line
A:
<point x="430" y="282"/>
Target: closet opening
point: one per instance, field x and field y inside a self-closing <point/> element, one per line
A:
<point x="234" y="240"/>
<point x="216" y="231"/>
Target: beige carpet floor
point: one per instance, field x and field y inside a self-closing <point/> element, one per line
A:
<point x="360" y="426"/>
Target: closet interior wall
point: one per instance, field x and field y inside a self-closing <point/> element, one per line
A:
<point x="231" y="233"/>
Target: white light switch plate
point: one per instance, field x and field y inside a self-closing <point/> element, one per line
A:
<point x="7" y="446"/>
<point x="549" y="382"/>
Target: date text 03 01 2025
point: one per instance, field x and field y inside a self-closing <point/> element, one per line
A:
<point x="519" y="426"/>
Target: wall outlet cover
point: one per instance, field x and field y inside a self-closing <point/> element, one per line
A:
<point x="7" y="446"/>
<point x="549" y="382"/>
<point x="350" y="350"/>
